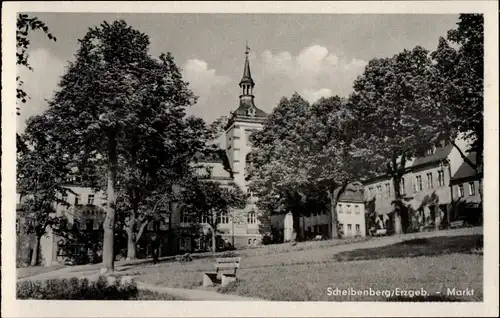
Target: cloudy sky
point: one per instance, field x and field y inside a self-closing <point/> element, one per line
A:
<point x="312" y="54"/>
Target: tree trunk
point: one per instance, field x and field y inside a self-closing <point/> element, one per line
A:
<point x="296" y="226"/>
<point x="333" y="219"/>
<point x="108" y="255"/>
<point x="214" y="243"/>
<point x="36" y="249"/>
<point x="131" y="240"/>
<point x="214" y="230"/>
<point x="398" y="205"/>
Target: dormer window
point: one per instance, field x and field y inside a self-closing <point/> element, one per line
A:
<point x="429" y="151"/>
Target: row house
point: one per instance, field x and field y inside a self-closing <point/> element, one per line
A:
<point x="350" y="217"/>
<point x="426" y="188"/>
<point x="465" y="193"/>
<point x="83" y="213"/>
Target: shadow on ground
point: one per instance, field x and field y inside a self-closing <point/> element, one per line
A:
<point x="466" y="244"/>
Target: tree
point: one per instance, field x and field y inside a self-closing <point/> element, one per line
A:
<point x="394" y="116"/>
<point x="305" y="159"/>
<point x="114" y="97"/>
<point x="458" y="86"/>
<point x="41" y="168"/>
<point x="25" y="23"/>
<point x="328" y="155"/>
<point x="279" y="187"/>
<point x="209" y="201"/>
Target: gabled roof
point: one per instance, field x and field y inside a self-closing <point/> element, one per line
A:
<point x="441" y="153"/>
<point x="465" y="170"/>
<point x="352" y="193"/>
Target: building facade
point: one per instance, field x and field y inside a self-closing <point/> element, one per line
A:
<point x="241" y="228"/>
<point x="466" y="197"/>
<point x="426" y="188"/>
<point x="350" y="217"/>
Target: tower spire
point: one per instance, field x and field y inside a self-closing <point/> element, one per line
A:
<point x="247" y="82"/>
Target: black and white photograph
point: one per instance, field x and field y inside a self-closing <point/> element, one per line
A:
<point x="330" y="158"/>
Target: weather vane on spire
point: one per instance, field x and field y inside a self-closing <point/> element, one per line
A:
<point x="247" y="49"/>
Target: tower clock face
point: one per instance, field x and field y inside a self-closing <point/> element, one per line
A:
<point x="251" y="112"/>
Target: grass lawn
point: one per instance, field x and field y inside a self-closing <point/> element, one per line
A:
<point x="433" y="264"/>
<point x="35" y="270"/>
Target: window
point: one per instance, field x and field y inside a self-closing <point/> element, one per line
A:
<point x="341" y="228"/>
<point x="77" y="200"/>
<point x="358" y="229"/>
<point x="249" y="241"/>
<point x="185" y="218"/>
<point x="89" y="225"/>
<point x="255" y="242"/>
<point x="440" y="178"/>
<point x="419" y="183"/>
<point x="461" y="190"/>
<point x="349" y="228"/>
<point x="402" y="188"/>
<point x="90" y="200"/>
<point x="251" y="218"/>
<point x="429" y="151"/>
<point x="472" y="188"/>
<point x="340" y="208"/>
<point x="379" y="189"/>
<point x="357" y="209"/>
<point x="348" y="208"/>
<point x="224" y="219"/>
<point x="182" y="244"/>
<point x="388" y="190"/>
<point x="370" y="192"/>
<point x="205" y="219"/>
<point x="429" y="181"/>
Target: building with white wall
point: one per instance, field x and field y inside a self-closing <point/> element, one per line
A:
<point x="425" y="186"/>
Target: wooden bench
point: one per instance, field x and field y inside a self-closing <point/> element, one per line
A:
<point x="222" y="266"/>
<point x="456" y="224"/>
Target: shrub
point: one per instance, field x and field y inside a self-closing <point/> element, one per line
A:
<point x="151" y="295"/>
<point x="266" y="240"/>
<point x="77" y="289"/>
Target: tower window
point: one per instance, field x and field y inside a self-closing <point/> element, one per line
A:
<point x="252" y="218"/>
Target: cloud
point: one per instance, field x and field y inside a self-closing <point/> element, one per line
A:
<point x="39" y="84"/>
<point x="201" y="78"/>
<point x="312" y="95"/>
<point x="314" y="71"/>
<point x="206" y="84"/>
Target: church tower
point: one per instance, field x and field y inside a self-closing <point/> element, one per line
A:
<point x="242" y="122"/>
<point x="246" y="119"/>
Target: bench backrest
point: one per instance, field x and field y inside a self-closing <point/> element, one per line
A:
<point x="227" y="263"/>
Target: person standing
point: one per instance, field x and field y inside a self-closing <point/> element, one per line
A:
<point x="156" y="248"/>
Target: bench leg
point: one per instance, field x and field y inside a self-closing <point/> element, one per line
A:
<point x="227" y="279"/>
<point x="209" y="279"/>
